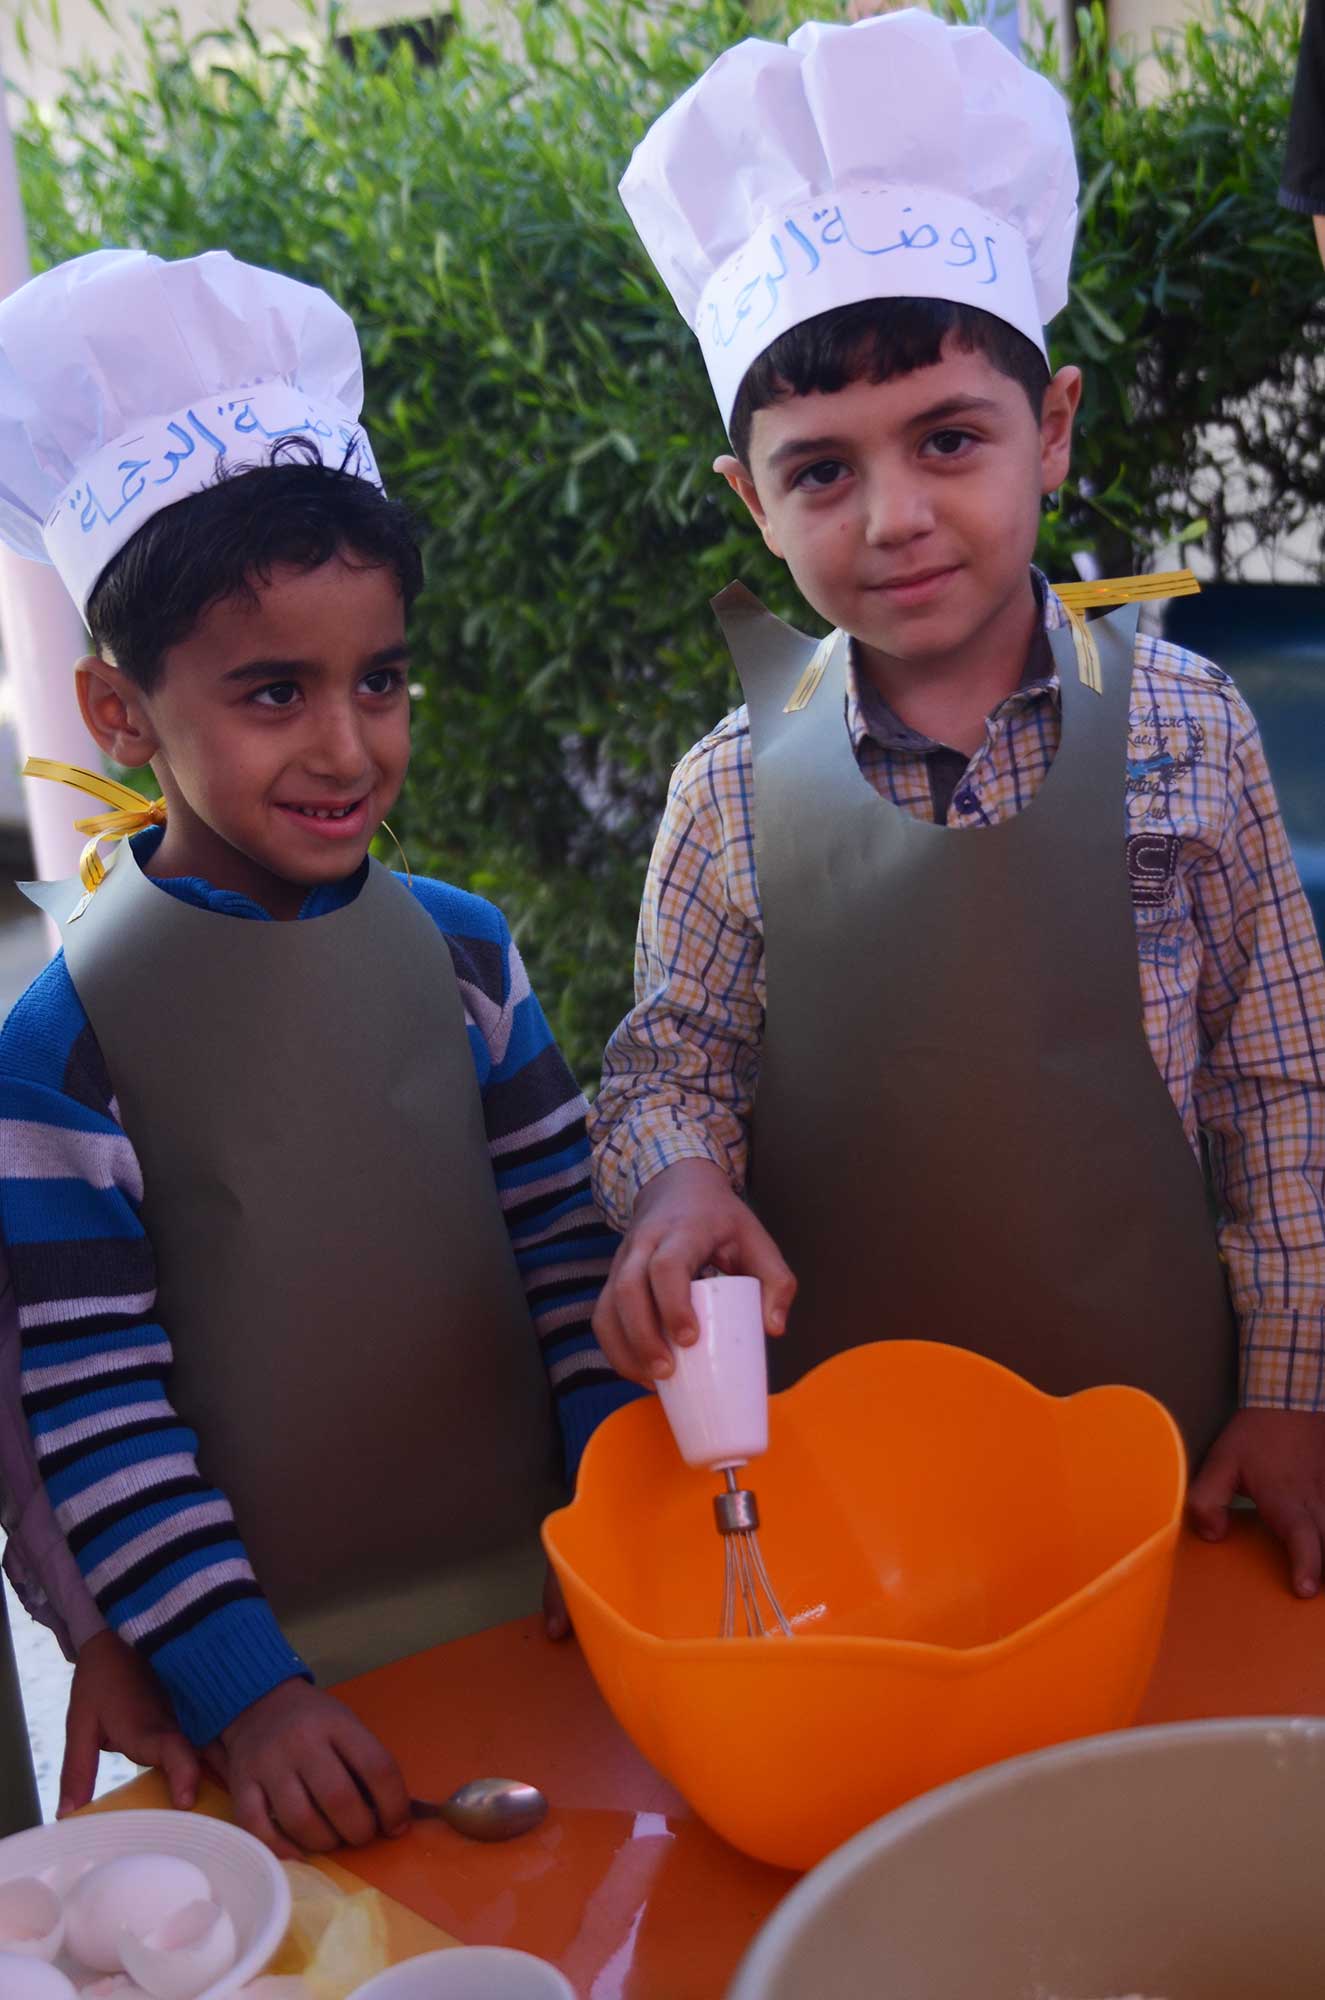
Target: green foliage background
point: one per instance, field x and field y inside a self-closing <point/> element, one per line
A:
<point x="535" y="398"/>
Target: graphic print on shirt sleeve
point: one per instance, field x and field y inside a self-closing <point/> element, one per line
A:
<point x="1162" y="750"/>
<point x="1152" y="868"/>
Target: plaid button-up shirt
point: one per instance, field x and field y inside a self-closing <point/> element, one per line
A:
<point x="1232" y="985"/>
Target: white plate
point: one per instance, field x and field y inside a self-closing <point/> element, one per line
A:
<point x="245" y="1877"/>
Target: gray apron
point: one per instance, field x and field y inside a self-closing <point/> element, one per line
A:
<point x="959" y="1131"/>
<point x="351" y="1338"/>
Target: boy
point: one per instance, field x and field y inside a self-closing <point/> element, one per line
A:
<point x="897" y="995"/>
<point x="273" y="1122"/>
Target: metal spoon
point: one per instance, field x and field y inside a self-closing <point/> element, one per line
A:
<point x="488" y="1809"/>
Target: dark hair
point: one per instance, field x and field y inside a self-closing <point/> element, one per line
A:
<point x="225" y="541"/>
<point x="873" y="342"/>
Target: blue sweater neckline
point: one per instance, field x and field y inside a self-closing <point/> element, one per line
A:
<point x="203" y="895"/>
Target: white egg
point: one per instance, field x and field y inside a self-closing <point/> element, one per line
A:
<point x="31" y="1920"/>
<point x="116" y="1986"/>
<point x="62" y="1874"/>
<point x="184" y="1955"/>
<point x="135" y="1892"/>
<point x="32" y="1979"/>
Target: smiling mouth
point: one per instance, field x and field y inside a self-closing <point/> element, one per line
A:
<point x="323" y="812"/>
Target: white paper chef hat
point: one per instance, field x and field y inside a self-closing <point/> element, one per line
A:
<point x="127" y="383"/>
<point x="898" y="157"/>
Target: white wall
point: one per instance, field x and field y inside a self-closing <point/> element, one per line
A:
<point x="1136" y="20"/>
<point x="84" y="36"/>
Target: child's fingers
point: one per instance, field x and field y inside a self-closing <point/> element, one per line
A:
<point x="1304" y="1554"/>
<point x="778" y="1293"/>
<point x="1297" y="1528"/>
<point x="298" y="1816"/>
<point x="611" y="1337"/>
<point x="179" y="1765"/>
<point x="377" y="1777"/>
<point x="632" y="1295"/>
<point x="82" y="1755"/>
<point x="341" y="1802"/>
<point x="252" y="1813"/>
<point x="763" y="1260"/>
<point x="1211" y="1493"/>
<point x="215" y="1760"/>
<point x="671" y="1270"/>
<point x="1301" y="1538"/>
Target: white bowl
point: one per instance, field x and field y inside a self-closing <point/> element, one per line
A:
<point x="469" y="1972"/>
<point x="1182" y="1861"/>
<point x="245" y="1878"/>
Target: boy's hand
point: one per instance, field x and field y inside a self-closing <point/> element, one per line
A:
<point x="116" y="1702"/>
<point x="305" y="1775"/>
<point x="688" y="1217"/>
<point x="1277" y="1459"/>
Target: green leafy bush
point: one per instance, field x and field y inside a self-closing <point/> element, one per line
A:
<point x="1197" y="309"/>
<point x="533" y="395"/>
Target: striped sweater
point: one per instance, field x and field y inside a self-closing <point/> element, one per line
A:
<point x="157" y="1546"/>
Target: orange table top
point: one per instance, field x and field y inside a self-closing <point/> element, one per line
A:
<point x="622" y="1887"/>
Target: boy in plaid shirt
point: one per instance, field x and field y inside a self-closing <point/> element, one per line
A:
<point x="894" y="424"/>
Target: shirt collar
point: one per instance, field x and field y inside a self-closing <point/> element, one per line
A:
<point x="870" y="718"/>
<point x="319" y="902"/>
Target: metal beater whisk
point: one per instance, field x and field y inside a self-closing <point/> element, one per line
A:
<point x="716" y="1401"/>
<point x="745" y="1578"/>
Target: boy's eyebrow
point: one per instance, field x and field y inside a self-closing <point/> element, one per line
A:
<point x="794" y="447"/>
<point x="955" y="406"/>
<point x="938" y="413"/>
<point x="275" y="670"/>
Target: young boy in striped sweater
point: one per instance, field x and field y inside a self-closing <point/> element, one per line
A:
<point x="249" y="633"/>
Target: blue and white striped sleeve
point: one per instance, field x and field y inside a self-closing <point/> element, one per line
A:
<point x="156" y="1544"/>
<point x="535" y="1114"/>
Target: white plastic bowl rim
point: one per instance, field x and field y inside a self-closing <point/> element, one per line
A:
<point x="412" y="1978"/>
<point x="766" y="1954"/>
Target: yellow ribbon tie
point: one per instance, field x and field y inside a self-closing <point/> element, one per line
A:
<point x="808" y="685"/>
<point x="130" y="813"/>
<point x="1078" y="598"/>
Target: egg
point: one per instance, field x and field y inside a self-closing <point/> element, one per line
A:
<point x="135" y="1892"/>
<point x="32" y="1979"/>
<point x="184" y="1955"/>
<point x="116" y="1986"/>
<point x="62" y="1874"/>
<point x="31" y="1920"/>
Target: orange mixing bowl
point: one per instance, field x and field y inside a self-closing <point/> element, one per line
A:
<point x="973" y="1570"/>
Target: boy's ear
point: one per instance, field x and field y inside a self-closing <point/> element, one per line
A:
<point x="115" y="713"/>
<point x="737" y="476"/>
<point x="1061" y="400"/>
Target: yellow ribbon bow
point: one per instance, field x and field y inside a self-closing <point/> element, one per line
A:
<point x="131" y="812"/>
<point x="1078" y="598"/>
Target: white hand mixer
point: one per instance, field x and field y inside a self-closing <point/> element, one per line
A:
<point x="716" y="1402"/>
